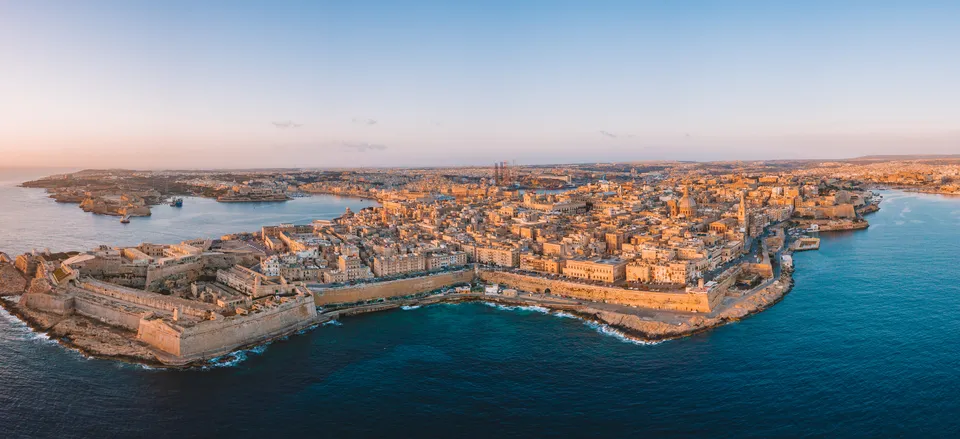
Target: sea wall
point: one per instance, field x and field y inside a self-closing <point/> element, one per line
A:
<point x="216" y="337"/>
<point x="52" y="303"/>
<point x="402" y="287"/>
<point x="104" y="312"/>
<point x="700" y="301"/>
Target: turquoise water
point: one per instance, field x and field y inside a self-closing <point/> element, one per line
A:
<point x="866" y="345"/>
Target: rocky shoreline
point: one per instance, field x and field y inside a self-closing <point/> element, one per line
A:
<point x="630" y="325"/>
<point x="85" y="335"/>
<point x="97" y="340"/>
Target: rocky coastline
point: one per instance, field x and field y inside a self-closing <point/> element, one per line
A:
<point x="98" y="340"/>
<point x="630" y="325"/>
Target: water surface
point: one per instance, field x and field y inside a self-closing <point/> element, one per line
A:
<point x="866" y="345"/>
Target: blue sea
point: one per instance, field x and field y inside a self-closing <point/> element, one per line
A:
<point x="866" y="345"/>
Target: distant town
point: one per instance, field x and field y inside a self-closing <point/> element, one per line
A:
<point x="655" y="250"/>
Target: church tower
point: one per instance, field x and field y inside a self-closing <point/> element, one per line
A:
<point x="742" y="216"/>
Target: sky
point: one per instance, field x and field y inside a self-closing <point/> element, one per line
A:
<point x="234" y="84"/>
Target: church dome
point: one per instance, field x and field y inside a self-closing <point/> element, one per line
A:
<point x="686" y="201"/>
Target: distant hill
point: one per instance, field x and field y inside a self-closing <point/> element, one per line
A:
<point x="907" y="157"/>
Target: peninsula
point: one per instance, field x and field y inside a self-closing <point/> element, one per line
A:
<point x="655" y="251"/>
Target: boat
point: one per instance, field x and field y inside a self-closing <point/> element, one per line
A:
<point x="176" y="202"/>
<point x="125" y="219"/>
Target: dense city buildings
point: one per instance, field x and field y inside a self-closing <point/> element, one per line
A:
<point x="684" y="244"/>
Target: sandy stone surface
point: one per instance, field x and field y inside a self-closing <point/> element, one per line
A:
<point x="12" y="282"/>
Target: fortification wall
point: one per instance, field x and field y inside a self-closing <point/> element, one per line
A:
<point x="218" y="261"/>
<point x="107" y="314"/>
<point x="217" y="337"/>
<point x="402" y="287"/>
<point x="148" y="299"/>
<point x="157" y="273"/>
<point x="673" y="301"/>
<point x="765" y="270"/>
<point x="160" y="335"/>
<point x="53" y="303"/>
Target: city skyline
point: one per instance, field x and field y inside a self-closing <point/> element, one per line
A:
<point x="319" y="84"/>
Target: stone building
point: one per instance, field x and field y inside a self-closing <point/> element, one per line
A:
<point x="604" y="270"/>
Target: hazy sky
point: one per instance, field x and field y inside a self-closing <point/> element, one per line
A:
<point x="189" y="84"/>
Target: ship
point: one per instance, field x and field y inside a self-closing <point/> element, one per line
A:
<point x="125" y="219"/>
<point x="176" y="202"/>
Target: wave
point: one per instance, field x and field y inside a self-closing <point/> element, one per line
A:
<point x="601" y="328"/>
<point x="303" y="331"/>
<point x="409" y="307"/>
<point x="332" y="323"/>
<point x="605" y="329"/>
<point x="136" y="366"/>
<point x="534" y="308"/>
<point x="21" y="331"/>
<point x="234" y="358"/>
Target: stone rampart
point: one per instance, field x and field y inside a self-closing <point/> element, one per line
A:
<point x="148" y="299"/>
<point x="765" y="270"/>
<point x="395" y="288"/>
<point x="107" y="313"/>
<point x="157" y="273"/>
<point x="216" y="337"/>
<point x="696" y="301"/>
<point x="54" y="303"/>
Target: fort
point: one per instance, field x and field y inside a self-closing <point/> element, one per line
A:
<point x="244" y="308"/>
<point x="68" y="295"/>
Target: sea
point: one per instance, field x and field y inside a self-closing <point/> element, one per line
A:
<point x="866" y="345"/>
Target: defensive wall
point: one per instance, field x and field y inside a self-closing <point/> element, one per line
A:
<point x="108" y="312"/>
<point x="686" y="301"/>
<point x="147" y="299"/>
<point x="394" y="288"/>
<point x="763" y="269"/>
<point x="54" y="303"/>
<point x="210" y="338"/>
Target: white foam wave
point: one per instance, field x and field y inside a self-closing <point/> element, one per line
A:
<point x="599" y="327"/>
<point x="235" y="358"/>
<point x="22" y="332"/>
<point x="332" y="323"/>
<point x="534" y="308"/>
<point x="303" y="331"/>
<point x="607" y="330"/>
<point x="137" y="366"/>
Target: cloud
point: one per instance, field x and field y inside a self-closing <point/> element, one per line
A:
<point x="364" y="146"/>
<point x="287" y="124"/>
<point x="364" y="121"/>
<point x="610" y="135"/>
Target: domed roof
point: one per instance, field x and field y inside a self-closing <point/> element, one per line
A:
<point x="686" y="200"/>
